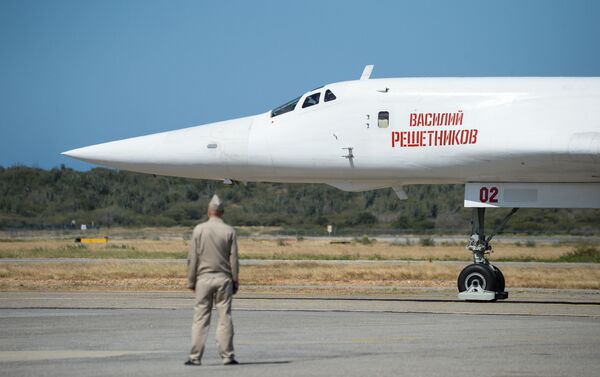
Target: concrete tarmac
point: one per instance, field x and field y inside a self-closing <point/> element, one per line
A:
<point x="429" y="333"/>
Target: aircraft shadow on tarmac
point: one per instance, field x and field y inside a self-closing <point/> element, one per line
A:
<point x="546" y="302"/>
<point x="541" y="302"/>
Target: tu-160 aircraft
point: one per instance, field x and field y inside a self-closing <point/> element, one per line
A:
<point x="528" y="142"/>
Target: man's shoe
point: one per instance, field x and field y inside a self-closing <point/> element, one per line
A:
<point x="231" y="362"/>
<point x="193" y="362"/>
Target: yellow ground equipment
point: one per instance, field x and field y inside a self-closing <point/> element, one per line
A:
<point x="92" y="240"/>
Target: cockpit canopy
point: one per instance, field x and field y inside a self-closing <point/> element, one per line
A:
<point x="310" y="100"/>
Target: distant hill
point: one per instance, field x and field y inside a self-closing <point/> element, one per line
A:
<point x="41" y="199"/>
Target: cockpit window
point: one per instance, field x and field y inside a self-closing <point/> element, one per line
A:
<point x="329" y="96"/>
<point x="285" y="108"/>
<point x="311" y="100"/>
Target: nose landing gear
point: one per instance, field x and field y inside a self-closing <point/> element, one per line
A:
<point x="482" y="281"/>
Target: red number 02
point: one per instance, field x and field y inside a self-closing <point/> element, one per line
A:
<point x="488" y="195"/>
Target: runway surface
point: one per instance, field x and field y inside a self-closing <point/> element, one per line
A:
<point x="535" y="333"/>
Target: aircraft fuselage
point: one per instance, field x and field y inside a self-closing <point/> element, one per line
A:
<point x="388" y="132"/>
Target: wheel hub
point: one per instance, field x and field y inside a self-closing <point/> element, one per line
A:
<point x="475" y="280"/>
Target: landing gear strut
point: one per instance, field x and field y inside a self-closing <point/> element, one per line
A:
<point x="482" y="281"/>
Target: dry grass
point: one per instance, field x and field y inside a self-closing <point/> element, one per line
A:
<point x="95" y="276"/>
<point x="281" y="249"/>
<point x="418" y="274"/>
<point x="143" y="245"/>
<point x="323" y="249"/>
<point x="309" y="274"/>
<point x="152" y="276"/>
<point x="313" y="273"/>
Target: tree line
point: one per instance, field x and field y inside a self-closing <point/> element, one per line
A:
<point x="32" y="198"/>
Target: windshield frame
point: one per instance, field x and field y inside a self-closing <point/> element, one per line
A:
<point x="285" y="108"/>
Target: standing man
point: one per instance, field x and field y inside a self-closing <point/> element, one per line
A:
<point x="212" y="274"/>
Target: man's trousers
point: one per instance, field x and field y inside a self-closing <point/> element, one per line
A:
<point x="218" y="288"/>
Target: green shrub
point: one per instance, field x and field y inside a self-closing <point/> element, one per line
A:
<point x="427" y="241"/>
<point x="583" y="253"/>
<point x="364" y="240"/>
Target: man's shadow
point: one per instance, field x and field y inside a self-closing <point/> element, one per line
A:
<point x="264" y="362"/>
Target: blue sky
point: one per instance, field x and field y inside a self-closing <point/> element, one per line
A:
<point x="75" y="73"/>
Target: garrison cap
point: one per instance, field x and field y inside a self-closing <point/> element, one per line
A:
<point x="216" y="204"/>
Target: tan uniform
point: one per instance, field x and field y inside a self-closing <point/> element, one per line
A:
<point x="213" y="267"/>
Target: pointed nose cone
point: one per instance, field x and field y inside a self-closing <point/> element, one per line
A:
<point x="127" y="153"/>
<point x="196" y="152"/>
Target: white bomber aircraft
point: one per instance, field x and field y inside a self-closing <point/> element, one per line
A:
<point x="513" y="142"/>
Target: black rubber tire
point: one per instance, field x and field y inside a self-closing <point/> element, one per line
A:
<point x="500" y="282"/>
<point x="483" y="274"/>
